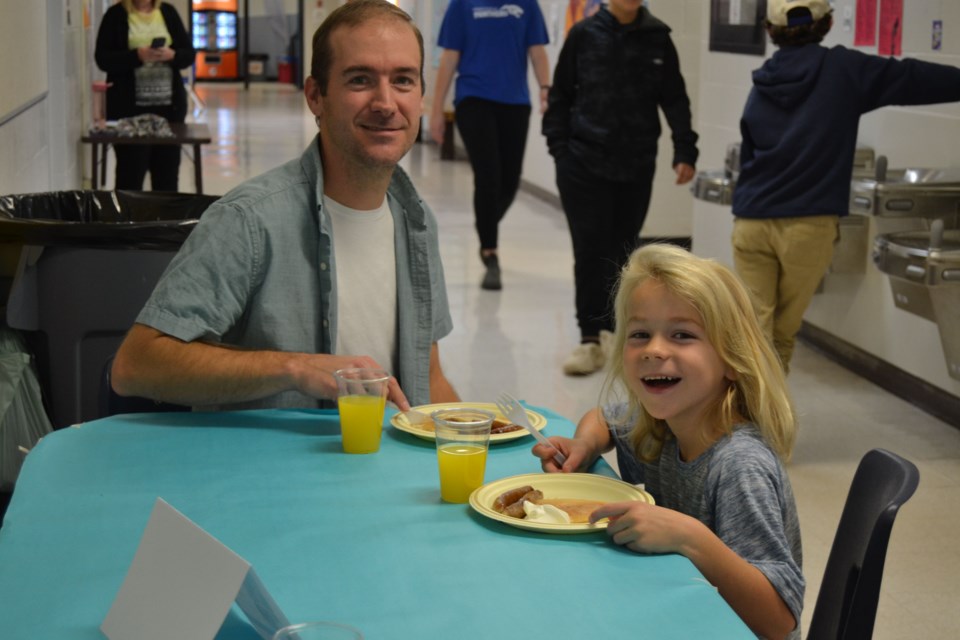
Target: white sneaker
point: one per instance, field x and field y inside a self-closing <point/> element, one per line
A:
<point x="585" y="359"/>
<point x="606" y="343"/>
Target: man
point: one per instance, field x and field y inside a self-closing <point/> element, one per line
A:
<point x="327" y="256"/>
<point x="799" y="130"/>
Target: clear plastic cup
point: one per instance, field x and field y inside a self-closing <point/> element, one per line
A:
<point x="463" y="438"/>
<point x="361" y="397"/>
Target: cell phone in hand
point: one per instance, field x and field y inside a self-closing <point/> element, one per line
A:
<point x="157" y="43"/>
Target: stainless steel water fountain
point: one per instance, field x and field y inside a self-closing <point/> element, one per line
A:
<point x="919" y="209"/>
<point x="853" y="243"/>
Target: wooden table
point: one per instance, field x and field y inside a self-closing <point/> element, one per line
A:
<point x="195" y="134"/>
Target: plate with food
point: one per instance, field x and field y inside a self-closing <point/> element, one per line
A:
<point x="501" y="430"/>
<point x="552" y="502"/>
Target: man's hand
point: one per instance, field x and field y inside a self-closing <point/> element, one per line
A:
<point x="685" y="172"/>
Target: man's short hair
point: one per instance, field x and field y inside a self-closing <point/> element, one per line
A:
<point x="352" y="14"/>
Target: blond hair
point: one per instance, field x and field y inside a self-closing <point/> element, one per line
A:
<point x="759" y="392"/>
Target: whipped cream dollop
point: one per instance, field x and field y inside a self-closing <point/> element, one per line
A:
<point x="545" y="513"/>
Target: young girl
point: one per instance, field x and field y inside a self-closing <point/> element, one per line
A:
<point x="706" y="428"/>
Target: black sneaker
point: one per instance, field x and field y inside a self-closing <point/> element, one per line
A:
<point x="491" y="279"/>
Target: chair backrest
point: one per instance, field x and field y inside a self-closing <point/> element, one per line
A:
<point x="110" y="403"/>
<point x="847" y="603"/>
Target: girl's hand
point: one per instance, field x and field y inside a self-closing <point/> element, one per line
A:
<point x="646" y="528"/>
<point x="578" y="455"/>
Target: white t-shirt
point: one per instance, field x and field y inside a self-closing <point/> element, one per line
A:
<point x="366" y="282"/>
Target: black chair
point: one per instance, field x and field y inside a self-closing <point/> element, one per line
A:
<point x="110" y="403"/>
<point x="847" y="603"/>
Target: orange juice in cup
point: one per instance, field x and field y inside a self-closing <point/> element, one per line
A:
<point x="463" y="436"/>
<point x="461" y="470"/>
<point x="362" y="395"/>
<point x="361" y="422"/>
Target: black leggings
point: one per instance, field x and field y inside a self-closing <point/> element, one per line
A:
<point x="495" y="136"/>
<point x="133" y="162"/>
<point x="605" y="219"/>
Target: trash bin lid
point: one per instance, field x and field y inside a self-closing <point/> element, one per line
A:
<point x="120" y="219"/>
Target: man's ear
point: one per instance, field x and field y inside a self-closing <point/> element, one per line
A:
<point x="311" y="91"/>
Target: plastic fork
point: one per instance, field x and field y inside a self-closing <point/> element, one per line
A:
<point x="512" y="409"/>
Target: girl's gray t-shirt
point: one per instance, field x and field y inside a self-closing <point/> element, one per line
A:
<point x="738" y="488"/>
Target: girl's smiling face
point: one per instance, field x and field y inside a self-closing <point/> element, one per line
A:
<point x="669" y="362"/>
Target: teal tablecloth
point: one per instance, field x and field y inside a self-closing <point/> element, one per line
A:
<point x="363" y="539"/>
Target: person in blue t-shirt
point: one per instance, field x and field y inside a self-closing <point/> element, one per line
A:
<point x="799" y="129"/>
<point x="487" y="44"/>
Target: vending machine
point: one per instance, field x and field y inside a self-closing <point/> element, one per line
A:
<point x="214" y="30"/>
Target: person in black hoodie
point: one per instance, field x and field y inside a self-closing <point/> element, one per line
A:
<point x="602" y="126"/>
<point x="145" y="79"/>
<point x="799" y="134"/>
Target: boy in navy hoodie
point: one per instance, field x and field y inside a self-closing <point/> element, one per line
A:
<point x="799" y="129"/>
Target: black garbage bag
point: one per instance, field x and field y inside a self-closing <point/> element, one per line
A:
<point x="22" y="418"/>
<point x="76" y="267"/>
<point x="118" y="219"/>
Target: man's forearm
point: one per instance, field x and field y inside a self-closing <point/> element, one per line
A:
<point x="153" y="365"/>
<point x="441" y="390"/>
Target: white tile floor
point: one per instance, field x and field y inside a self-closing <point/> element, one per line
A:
<point x="516" y="339"/>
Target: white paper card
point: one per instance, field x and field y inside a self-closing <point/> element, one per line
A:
<point x="182" y="583"/>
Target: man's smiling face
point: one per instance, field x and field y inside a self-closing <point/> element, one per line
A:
<point x="370" y="115"/>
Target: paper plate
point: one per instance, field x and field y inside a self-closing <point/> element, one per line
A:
<point x="399" y="421"/>
<point x="586" y="486"/>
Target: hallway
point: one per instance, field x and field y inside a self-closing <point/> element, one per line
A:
<point x="516" y="339"/>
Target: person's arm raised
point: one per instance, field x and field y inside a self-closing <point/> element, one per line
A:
<point x="154" y="365"/>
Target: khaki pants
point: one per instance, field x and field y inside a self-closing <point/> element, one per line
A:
<point x="782" y="261"/>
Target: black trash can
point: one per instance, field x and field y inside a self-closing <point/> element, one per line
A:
<point x="76" y="267"/>
<point x="257" y="66"/>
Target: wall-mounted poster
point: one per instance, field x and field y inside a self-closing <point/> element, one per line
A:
<point x="577" y="10"/>
<point x="736" y="26"/>
<point x="866" y="33"/>
<point x="891" y="28"/>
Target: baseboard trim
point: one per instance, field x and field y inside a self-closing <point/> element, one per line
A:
<point x="918" y="392"/>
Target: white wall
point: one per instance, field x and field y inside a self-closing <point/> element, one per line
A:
<point x="24" y="104"/>
<point x="856" y="308"/>
<point x="69" y="100"/>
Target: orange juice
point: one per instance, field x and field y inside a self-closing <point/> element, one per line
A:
<point x="361" y="422"/>
<point x="461" y="470"/>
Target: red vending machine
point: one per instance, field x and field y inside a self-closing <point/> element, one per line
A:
<point x="214" y="29"/>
